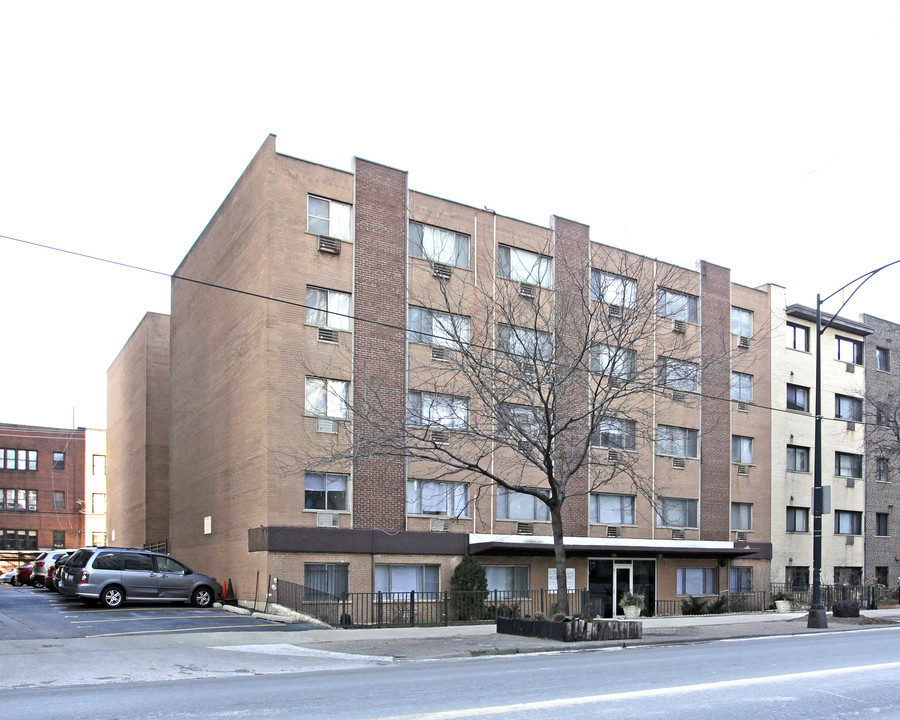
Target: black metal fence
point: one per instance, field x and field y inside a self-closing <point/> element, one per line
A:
<point x="751" y="602"/>
<point x="869" y="597"/>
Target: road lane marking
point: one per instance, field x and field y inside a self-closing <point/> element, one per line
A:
<point x="639" y="694"/>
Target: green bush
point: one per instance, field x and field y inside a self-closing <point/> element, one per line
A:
<point x="719" y="606"/>
<point x="693" y="606"/>
<point x="468" y="589"/>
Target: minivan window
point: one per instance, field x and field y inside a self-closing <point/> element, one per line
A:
<point x="170" y="565"/>
<point x="133" y="561"/>
<point x="80" y="558"/>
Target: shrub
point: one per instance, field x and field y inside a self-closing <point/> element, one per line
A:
<point x="510" y="610"/>
<point x="693" y="606"/>
<point x="559" y="617"/>
<point x="631" y="598"/>
<point x="468" y="586"/>
<point x="719" y="606"/>
<point x="845" y="608"/>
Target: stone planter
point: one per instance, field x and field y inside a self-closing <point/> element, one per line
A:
<point x="632" y="612"/>
<point x="571" y="630"/>
<point x="783" y="606"/>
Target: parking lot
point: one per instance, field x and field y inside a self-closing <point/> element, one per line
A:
<point x="27" y="613"/>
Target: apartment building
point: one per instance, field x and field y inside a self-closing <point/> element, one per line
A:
<point x="49" y="478"/>
<point x="320" y="308"/>
<point x="843" y="441"/>
<point x="882" y="548"/>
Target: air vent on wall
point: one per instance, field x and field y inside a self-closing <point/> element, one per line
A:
<point x="329" y="335"/>
<point x="679" y="326"/>
<point x="616" y="382"/>
<point x="743" y="407"/>
<point x="442" y="271"/>
<point x="678" y="463"/>
<point x="850" y="539"/>
<point x="326" y="426"/>
<point x="440" y="525"/>
<point x="526" y="290"/>
<point x="328" y="520"/>
<point x="615" y="311"/>
<point x="524" y="528"/>
<point x="851" y="367"/>
<point x="744" y="342"/>
<point x="851" y="482"/>
<point x="741" y="535"/>
<point x="441" y="354"/>
<point x="851" y="426"/>
<point x="612" y="456"/>
<point x="678" y="533"/>
<point x="679" y="396"/>
<point x="329" y="245"/>
<point x="439" y="436"/>
<point x="743" y="469"/>
<point x="613" y="531"/>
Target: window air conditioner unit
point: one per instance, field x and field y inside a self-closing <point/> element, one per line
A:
<point x="851" y="425"/>
<point x="329" y="245"/>
<point x="743" y="469"/>
<point x="441" y="354"/>
<point x="439" y="436"/>
<point x="613" y="532"/>
<point x="326" y="426"/>
<point x="524" y="528"/>
<point x="440" y="524"/>
<point x="616" y="382"/>
<point x="743" y="407"/>
<point x="442" y="271"/>
<point x="527" y="290"/>
<point x="678" y="463"/>
<point x="851" y="482"/>
<point x="328" y="520"/>
<point x="615" y="311"/>
<point x="850" y="539"/>
<point x="851" y="367"/>
<point x="678" y="396"/>
<point x="741" y="535"/>
<point x="679" y="326"/>
<point x="678" y="533"/>
<point x="329" y="335"/>
<point x="613" y="456"/>
<point x="744" y="342"/>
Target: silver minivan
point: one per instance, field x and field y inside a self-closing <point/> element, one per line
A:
<point x="114" y="575"/>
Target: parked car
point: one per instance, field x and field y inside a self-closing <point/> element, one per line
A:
<point x="23" y="575"/>
<point x="42" y="564"/>
<point x="54" y="569"/>
<point x="116" y="575"/>
<point x="7" y="577"/>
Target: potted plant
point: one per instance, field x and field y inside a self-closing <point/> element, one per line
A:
<point x="783" y="601"/>
<point x="632" y="604"/>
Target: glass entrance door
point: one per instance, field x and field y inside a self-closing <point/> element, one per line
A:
<point x="621" y="584"/>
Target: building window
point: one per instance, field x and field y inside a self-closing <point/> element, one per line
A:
<point x="616" y="434"/>
<point x="847" y="465"/>
<point x="741" y="450"/>
<point x="797" y="520"/>
<point x="327" y="398"/>
<point x="609" y="509"/>
<point x="433" y="409"/>
<point x="881" y="524"/>
<point x="520" y="422"/>
<point x="98" y="465"/>
<point x="518" y="343"/>
<point x="18" y="460"/>
<point x="678" y="374"/>
<point x="524" y="266"/>
<point x="741" y="516"/>
<point x="438" y="245"/>
<point x="881" y="416"/>
<point x="741" y="322"/>
<point x="18" y="539"/>
<point x="797" y="398"/>
<point x="848" y="408"/>
<point x="613" y="361"/>
<point x="98" y="539"/>
<point x="438" y="328"/>
<point x="797" y="458"/>
<point x="508" y="580"/>
<point x="328" y="308"/>
<point x="19" y="500"/>
<point x="407" y="578"/>
<point x="676" y="512"/>
<point x="882" y="470"/>
<point x="881" y="574"/>
<point x="848" y="576"/>
<point x="512" y="505"/>
<point x="797" y="337"/>
<point x="797" y="577"/>
<point x="740" y="580"/>
<point x="32" y="501"/>
<point x="430" y="497"/>
<point x="59" y="461"/>
<point x="59" y="538"/>
<point x="324" y="581"/>
<point x="59" y="500"/>
<point x="677" y="305"/>
<point x="883" y="359"/>
<point x="325" y="491"/>
<point x="676" y="441"/>
<point x="849" y="351"/>
<point x="741" y="387"/>
<point x="847" y="522"/>
<point x="328" y="217"/>
<point x="98" y="503"/>
<point x="696" y="581"/>
<point x="613" y="289"/>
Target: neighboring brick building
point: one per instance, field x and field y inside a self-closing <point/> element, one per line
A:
<point x="43" y="472"/>
<point x="256" y="382"/>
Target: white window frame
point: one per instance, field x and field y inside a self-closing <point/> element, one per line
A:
<point x="613" y="361"/>
<point x="741" y="387"/>
<point x="609" y="429"/>
<point x="742" y="449"/>
<point x="741" y="322"/>
<point x="437" y="498"/>
<point x="337" y="223"/>
<point x="613" y="289"/>
<point x="336" y="395"/>
<point x="696" y="581"/>
<point x="524" y="344"/>
<point x="439" y="245"/>
<point x="328" y="308"/>
<point x="678" y="305"/>
<point x="522" y="507"/>
<point x="427" y="409"/>
<point x="679" y="375"/>
<point x="400" y="578"/>
<point x="612" y="509"/>
<point x="441" y="329"/>
<point x="334" y="489"/>
<point x="524" y="266"/>
<point x="669" y="509"/>
<point x="673" y="441"/>
<point x="519" y="421"/>
<point x="741" y="516"/>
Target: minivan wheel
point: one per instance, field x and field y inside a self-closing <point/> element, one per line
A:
<point x="38" y="583"/>
<point x="202" y="597"/>
<point x="112" y="597"/>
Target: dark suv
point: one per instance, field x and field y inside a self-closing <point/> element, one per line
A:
<point x="114" y="575"/>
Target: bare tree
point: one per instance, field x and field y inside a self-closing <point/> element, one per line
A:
<point x="524" y="382"/>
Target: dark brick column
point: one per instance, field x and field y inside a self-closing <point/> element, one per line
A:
<point x="379" y="351"/>
<point x="572" y="265"/>
<point x="715" y="405"/>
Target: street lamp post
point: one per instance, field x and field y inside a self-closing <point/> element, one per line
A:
<point x="817" y="618"/>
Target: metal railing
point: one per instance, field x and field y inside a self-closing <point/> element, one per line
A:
<point x="727" y="602"/>
<point x="868" y="596"/>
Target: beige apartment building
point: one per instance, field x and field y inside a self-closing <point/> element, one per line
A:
<point x="322" y="308"/>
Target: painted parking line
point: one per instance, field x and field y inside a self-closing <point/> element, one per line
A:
<point x="181" y="630"/>
<point x="148" y="617"/>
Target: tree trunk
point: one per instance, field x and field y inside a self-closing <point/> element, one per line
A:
<point x="559" y="553"/>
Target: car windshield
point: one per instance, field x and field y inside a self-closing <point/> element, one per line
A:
<point x="80" y="558"/>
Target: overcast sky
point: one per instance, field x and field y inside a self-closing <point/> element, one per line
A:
<point x="762" y="136"/>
